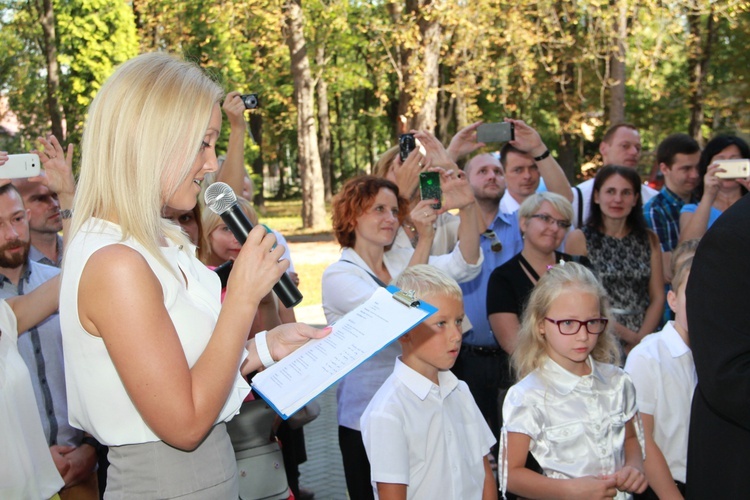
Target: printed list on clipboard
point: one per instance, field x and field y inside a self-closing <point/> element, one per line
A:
<point x="294" y="381"/>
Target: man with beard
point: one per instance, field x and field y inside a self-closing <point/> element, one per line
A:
<point x="41" y="350"/>
<point x="45" y="221"/>
<point x="482" y="363"/>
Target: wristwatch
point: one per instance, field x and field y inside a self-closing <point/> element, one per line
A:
<point x="542" y="156"/>
<point x="66" y="213"/>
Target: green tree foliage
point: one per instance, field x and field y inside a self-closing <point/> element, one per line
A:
<point x="93" y="37"/>
<point x="548" y="62"/>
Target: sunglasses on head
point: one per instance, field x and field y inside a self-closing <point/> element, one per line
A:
<point x="495" y="244"/>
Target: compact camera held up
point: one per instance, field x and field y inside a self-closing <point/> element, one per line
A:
<point x="251" y="101"/>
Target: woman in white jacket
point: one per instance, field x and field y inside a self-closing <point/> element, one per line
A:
<point x="366" y="215"/>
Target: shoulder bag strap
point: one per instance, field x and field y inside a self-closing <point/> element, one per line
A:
<point x="377" y="280"/>
<point x="580" y="206"/>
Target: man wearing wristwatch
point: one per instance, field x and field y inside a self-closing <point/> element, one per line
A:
<point x="481" y="362"/>
<point x="522" y="176"/>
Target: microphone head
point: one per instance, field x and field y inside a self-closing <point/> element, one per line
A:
<point x="219" y="197"/>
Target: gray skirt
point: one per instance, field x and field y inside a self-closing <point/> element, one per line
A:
<point x="156" y="470"/>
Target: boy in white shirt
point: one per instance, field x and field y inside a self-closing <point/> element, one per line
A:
<point x="663" y="372"/>
<point x="423" y="432"/>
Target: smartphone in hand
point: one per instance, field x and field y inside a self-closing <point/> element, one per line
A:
<point x="734" y="169"/>
<point x="20" y="166"/>
<point x="429" y="188"/>
<point x="496" y="132"/>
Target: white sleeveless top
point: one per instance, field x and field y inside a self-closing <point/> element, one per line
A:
<point x="27" y="469"/>
<point x="97" y="400"/>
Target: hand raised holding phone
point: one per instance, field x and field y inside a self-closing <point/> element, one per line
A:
<point x="19" y="166"/>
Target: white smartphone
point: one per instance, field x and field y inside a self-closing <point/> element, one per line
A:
<point x="734" y="169"/>
<point x="19" y="166"/>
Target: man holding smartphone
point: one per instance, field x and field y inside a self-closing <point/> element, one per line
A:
<point x="481" y="362"/>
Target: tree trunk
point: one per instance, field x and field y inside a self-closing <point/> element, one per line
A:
<point x="567" y="157"/>
<point x="405" y="92"/>
<point x="324" y="124"/>
<point x="445" y="113"/>
<point x="339" y="138"/>
<point x="419" y="69"/>
<point x="565" y="97"/>
<point x="313" y="191"/>
<point x="49" y="46"/>
<point x="617" y="64"/>
<point x="256" y="129"/>
<point x="699" y="55"/>
<point x="283" y="157"/>
<point x="429" y="27"/>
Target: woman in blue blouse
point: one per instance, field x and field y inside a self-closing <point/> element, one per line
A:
<point x="716" y="194"/>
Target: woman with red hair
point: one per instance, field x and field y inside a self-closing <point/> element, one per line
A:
<point x="366" y="215"/>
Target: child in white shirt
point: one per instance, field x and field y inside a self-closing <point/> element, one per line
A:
<point x="424" y="434"/>
<point x="573" y="409"/>
<point x="664" y="375"/>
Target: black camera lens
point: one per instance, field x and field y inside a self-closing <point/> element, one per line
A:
<point x="406" y="144"/>
<point x="250" y="101"/>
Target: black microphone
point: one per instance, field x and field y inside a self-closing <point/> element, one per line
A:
<point x="220" y="198"/>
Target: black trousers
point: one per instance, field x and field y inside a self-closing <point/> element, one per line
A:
<point x="356" y="464"/>
<point x="487" y="373"/>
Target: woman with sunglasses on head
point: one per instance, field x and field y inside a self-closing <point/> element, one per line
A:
<point x="366" y="214"/>
<point x="544" y="219"/>
<point x="624" y="253"/>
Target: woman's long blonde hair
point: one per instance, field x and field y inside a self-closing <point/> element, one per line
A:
<point x="531" y="352"/>
<point x="143" y="133"/>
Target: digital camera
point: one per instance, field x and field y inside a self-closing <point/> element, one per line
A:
<point x="251" y="101"/>
<point x="406" y="145"/>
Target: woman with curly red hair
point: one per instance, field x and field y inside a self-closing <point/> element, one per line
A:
<point x="366" y="215"/>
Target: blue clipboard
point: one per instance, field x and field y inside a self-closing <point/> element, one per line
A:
<point x="407" y="298"/>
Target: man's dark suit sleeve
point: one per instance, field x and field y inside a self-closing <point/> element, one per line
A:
<point x="718" y="309"/>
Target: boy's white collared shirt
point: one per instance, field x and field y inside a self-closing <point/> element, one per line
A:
<point x="432" y="438"/>
<point x="664" y="375"/>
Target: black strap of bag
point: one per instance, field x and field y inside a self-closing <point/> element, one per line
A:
<point x="377" y="280"/>
<point x="580" y="206"/>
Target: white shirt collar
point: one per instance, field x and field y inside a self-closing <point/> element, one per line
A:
<point x="421" y="385"/>
<point x="677" y="347"/>
<point x="564" y="381"/>
<point x="508" y="204"/>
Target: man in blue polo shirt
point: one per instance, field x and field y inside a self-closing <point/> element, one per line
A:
<point x="677" y="157"/>
<point x="482" y="363"/>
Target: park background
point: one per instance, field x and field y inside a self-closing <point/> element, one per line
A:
<point x="335" y="76"/>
